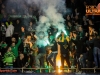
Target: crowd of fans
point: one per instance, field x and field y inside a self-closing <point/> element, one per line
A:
<point x="80" y="47"/>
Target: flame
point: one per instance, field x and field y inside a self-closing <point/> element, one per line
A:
<point x="58" y="66"/>
<point x="58" y="60"/>
<point x="59" y="71"/>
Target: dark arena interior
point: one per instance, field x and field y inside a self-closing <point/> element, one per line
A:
<point x="50" y="37"/>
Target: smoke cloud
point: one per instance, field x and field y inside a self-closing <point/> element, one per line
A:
<point x="52" y="12"/>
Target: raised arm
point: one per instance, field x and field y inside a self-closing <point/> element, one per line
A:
<point x="19" y="42"/>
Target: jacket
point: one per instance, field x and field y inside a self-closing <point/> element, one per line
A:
<point x="10" y="31"/>
<point x="9" y="58"/>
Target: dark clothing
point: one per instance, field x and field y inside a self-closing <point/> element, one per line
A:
<point x="80" y="45"/>
<point x="81" y="34"/>
<point x="94" y="43"/>
<point x="81" y="49"/>
<point x="89" y="58"/>
<point x="20" y="63"/>
<point x="64" y="47"/>
<point x="52" y="56"/>
<point x="17" y="29"/>
<point x="69" y="29"/>
<point x="66" y="58"/>
<point x="41" y="49"/>
<point x="40" y="58"/>
<point x="64" y="50"/>
<point x="8" y="41"/>
<point x="31" y="61"/>
<point x="1" y="61"/>
<point x="90" y="55"/>
<point x="54" y="47"/>
<point x="52" y="59"/>
<point x="96" y="54"/>
<point x="3" y="51"/>
<point x="85" y="25"/>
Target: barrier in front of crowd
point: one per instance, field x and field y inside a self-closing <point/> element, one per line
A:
<point x="4" y="70"/>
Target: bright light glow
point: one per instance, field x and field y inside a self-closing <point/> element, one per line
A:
<point x="60" y="33"/>
<point x="59" y="65"/>
<point x="48" y="42"/>
<point x="64" y="32"/>
<point x="68" y="71"/>
<point x="42" y="39"/>
<point x="58" y="60"/>
<point x="59" y="71"/>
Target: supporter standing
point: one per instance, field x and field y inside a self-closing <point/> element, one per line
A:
<point x="1" y="64"/>
<point x="96" y="50"/>
<point x="52" y="56"/>
<point x="3" y="31"/>
<point x="30" y="27"/>
<point x="9" y="33"/>
<point x="80" y="51"/>
<point x="34" y="50"/>
<point x="64" y="50"/>
<point x="20" y="62"/>
<point x="14" y="47"/>
<point x="9" y="58"/>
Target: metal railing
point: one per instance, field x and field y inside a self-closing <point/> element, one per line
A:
<point x="49" y="69"/>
